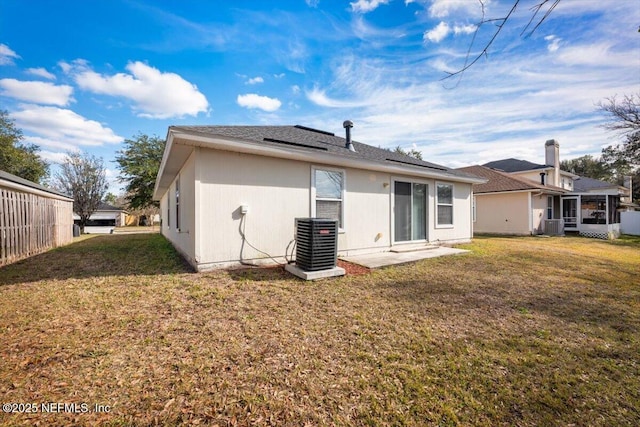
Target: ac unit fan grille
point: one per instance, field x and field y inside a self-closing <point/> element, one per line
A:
<point x="316" y="243"/>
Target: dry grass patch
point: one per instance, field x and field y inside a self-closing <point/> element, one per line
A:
<point x="523" y="331"/>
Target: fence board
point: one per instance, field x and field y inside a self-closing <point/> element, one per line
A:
<point x="31" y="224"/>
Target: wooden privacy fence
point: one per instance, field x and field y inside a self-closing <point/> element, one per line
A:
<point x="31" y="224"/>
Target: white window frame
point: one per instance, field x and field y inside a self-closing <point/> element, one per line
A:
<point x="438" y="204"/>
<point x="392" y="194"/>
<point x="168" y="224"/>
<point x="342" y="228"/>
<point x="177" y="198"/>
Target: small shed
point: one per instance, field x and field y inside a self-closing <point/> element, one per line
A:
<point x="33" y="218"/>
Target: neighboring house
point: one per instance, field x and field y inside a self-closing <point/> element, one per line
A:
<point x="557" y="201"/>
<point x="103" y="220"/>
<point x="229" y="194"/>
<point x="508" y="204"/>
<point x="33" y="218"/>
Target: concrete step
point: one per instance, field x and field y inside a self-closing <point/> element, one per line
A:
<point x="412" y="248"/>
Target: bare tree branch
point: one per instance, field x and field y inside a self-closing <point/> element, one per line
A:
<point x="500" y="23"/>
<point x="535" y="13"/>
<point x="625" y="115"/>
<point x="485" y="51"/>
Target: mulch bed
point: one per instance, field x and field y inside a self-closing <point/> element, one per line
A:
<point x="352" y="268"/>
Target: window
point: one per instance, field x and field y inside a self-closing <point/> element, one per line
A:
<point x="328" y="186"/>
<point x="178" y="203"/>
<point x="410" y="211"/>
<point x="549" y="207"/>
<point x="168" y="211"/>
<point x="444" y="202"/>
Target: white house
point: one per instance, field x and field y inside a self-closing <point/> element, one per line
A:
<point x="230" y="194"/>
<point x="521" y="197"/>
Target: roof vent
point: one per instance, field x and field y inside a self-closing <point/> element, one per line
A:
<point x="348" y="124"/>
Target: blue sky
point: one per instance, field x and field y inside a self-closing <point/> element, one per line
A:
<point x="78" y="75"/>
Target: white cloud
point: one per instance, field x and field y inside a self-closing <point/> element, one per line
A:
<point x="365" y="6"/>
<point x="444" y="8"/>
<point x="254" y="80"/>
<point x="252" y="100"/>
<point x="279" y="76"/>
<point x="295" y="89"/>
<point x="38" y="92"/>
<point x="61" y="128"/>
<point x="7" y="55"/>
<point x="52" y="156"/>
<point x="464" y="29"/>
<point x="312" y="3"/>
<point x="41" y="72"/>
<point x="437" y="34"/>
<point x="554" y="43"/>
<point x="154" y="94"/>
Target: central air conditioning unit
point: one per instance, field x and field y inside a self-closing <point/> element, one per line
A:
<point x="316" y="243"/>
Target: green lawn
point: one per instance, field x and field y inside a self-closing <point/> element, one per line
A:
<point x="522" y="331"/>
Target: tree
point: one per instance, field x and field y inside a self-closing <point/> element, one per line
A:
<point x="138" y="164"/>
<point x="83" y="177"/>
<point x="416" y="154"/>
<point x="624" y="119"/>
<point x="588" y="166"/>
<point x="18" y="158"/>
<point x="111" y="199"/>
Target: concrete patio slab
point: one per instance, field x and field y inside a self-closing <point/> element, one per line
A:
<point x="383" y="259"/>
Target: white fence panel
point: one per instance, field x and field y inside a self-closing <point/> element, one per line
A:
<point x="630" y="222"/>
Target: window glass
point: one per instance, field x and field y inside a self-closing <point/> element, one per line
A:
<point x="329" y="186"/>
<point x="445" y="204"/>
<point x="445" y="193"/>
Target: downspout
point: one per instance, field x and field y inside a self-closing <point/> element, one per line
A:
<point x="196" y="195"/>
<point x="530" y="210"/>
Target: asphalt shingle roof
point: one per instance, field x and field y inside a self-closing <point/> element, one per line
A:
<point x="583" y="183"/>
<point x="305" y="138"/>
<point x="513" y="165"/>
<point x="500" y="181"/>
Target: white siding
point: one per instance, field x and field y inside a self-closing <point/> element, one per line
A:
<point x="215" y="184"/>
<point x="462" y="228"/>
<point x="183" y="239"/>
<point x="503" y="213"/>
<point x="276" y="192"/>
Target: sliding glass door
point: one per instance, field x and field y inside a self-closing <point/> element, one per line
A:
<point x="410" y="211"/>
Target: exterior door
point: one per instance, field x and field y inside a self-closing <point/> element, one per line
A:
<point x="410" y="211"/>
<point x="570" y="212"/>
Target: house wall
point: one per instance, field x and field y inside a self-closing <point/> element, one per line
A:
<point x="276" y="191"/>
<point x="462" y="229"/>
<point x="184" y="237"/>
<point x="503" y="213"/>
<point x="538" y="212"/>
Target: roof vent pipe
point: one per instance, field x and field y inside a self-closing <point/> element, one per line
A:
<point x="348" y="124"/>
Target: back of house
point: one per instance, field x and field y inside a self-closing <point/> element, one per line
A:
<point x="231" y="194"/>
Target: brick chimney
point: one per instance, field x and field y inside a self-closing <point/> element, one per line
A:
<point x="552" y="158"/>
